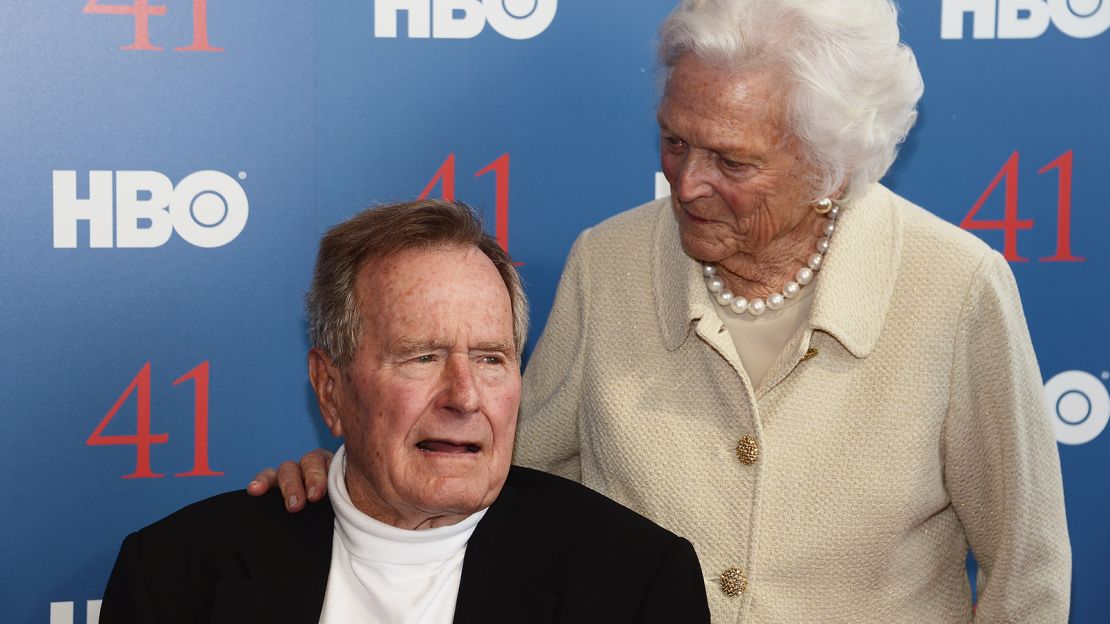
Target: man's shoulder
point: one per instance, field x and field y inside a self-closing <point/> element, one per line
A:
<point x="603" y="561"/>
<point x="232" y="517"/>
<point x="231" y="557"/>
<point x="573" y="505"/>
<point x="551" y="490"/>
<point x="229" y="506"/>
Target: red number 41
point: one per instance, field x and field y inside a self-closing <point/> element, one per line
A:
<point x="143" y="438"/>
<point x="445" y="176"/>
<point x="1010" y="224"/>
<point x="142" y="10"/>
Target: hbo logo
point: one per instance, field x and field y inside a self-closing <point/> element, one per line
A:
<point x="207" y="209"/>
<point x="1079" y="406"/>
<point x="1024" y="19"/>
<point x="464" y="19"/>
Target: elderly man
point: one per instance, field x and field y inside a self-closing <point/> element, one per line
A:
<point x="417" y="320"/>
<point x="829" y="390"/>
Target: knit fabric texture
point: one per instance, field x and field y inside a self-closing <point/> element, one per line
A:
<point x="916" y="432"/>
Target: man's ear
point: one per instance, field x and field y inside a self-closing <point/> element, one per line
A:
<point x="327" y="381"/>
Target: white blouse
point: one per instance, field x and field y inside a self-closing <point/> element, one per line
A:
<point x="761" y="340"/>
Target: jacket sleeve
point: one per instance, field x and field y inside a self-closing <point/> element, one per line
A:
<point x="547" y="432"/>
<point x="126" y="598"/>
<point x="677" y="591"/>
<point x="1002" y="468"/>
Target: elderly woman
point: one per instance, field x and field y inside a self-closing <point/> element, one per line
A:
<point x="830" y="391"/>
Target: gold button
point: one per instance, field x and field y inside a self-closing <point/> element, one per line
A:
<point x="733" y="582"/>
<point x="810" y="354"/>
<point x="747" y="450"/>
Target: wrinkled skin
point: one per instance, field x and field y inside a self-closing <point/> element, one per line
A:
<point x="428" y="406"/>
<point x="741" y="191"/>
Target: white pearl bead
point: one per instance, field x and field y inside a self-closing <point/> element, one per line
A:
<point x="804" y="276"/>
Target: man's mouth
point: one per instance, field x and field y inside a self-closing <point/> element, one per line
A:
<point x="447" y="446"/>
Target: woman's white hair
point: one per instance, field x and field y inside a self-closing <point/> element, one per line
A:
<point x="851" y="86"/>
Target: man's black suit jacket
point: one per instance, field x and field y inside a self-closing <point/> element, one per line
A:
<point x="548" y="551"/>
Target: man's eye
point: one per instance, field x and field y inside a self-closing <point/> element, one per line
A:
<point x="426" y="358"/>
<point x="492" y="359"/>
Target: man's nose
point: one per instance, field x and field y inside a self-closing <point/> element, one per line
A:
<point x="692" y="180"/>
<point x="460" y="392"/>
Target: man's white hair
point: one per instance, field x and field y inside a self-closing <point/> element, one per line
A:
<point x="851" y="86"/>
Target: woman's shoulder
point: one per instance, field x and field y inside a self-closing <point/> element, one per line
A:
<point x="925" y="233"/>
<point x="629" y="228"/>
<point x="939" y="256"/>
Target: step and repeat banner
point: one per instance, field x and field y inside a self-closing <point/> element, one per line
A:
<point x="167" y="166"/>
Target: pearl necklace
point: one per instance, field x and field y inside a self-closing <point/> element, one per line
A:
<point x="775" y="301"/>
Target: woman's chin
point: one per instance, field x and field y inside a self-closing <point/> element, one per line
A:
<point x="702" y="250"/>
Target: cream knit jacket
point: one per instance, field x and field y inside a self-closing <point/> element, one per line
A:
<point x="917" y="430"/>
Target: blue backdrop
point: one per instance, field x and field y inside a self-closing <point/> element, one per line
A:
<point x="166" y="170"/>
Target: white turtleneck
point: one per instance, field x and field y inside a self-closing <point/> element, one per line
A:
<point x="387" y="575"/>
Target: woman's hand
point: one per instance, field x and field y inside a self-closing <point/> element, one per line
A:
<point x="293" y="479"/>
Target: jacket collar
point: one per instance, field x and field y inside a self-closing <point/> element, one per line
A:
<point x="284" y="568"/>
<point x="854" y="286"/>
<point x="504" y="565"/>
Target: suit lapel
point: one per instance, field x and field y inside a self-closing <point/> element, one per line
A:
<point x="285" y="570"/>
<point x="505" y="558"/>
<point x="507" y="563"/>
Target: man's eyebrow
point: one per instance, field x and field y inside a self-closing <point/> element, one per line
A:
<point x="496" y="346"/>
<point x="408" y="346"/>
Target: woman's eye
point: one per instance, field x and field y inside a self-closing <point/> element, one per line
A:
<point x="674" y="143"/>
<point x="734" y="166"/>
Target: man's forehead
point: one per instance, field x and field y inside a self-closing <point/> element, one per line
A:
<point x="412" y="260"/>
<point x="416" y="271"/>
<point x="438" y="296"/>
<point x="406" y="260"/>
<point x="411" y="334"/>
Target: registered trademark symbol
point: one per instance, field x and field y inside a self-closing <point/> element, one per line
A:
<point x="1105" y="375"/>
<point x="242" y="175"/>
